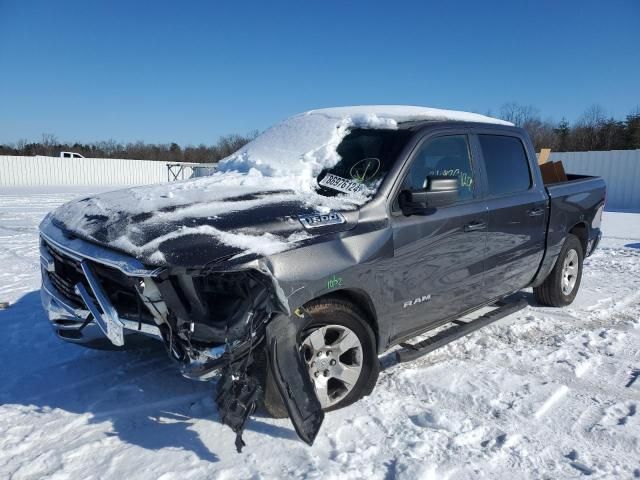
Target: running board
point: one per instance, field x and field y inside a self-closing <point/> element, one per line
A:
<point x="413" y="351"/>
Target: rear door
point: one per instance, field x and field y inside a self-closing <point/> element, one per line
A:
<point x="438" y="256"/>
<point x="517" y="211"/>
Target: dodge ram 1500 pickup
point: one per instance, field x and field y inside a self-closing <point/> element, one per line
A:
<point x="332" y="237"/>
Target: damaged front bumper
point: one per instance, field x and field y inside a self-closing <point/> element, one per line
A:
<point x="95" y="295"/>
<point x="81" y="312"/>
<point x="211" y="322"/>
<point x="77" y="325"/>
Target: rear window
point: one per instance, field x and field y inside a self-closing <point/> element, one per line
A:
<point x="506" y="163"/>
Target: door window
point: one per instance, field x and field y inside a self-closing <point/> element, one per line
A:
<point x="506" y="164"/>
<point x="443" y="156"/>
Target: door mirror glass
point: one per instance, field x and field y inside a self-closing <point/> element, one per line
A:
<point x="440" y="191"/>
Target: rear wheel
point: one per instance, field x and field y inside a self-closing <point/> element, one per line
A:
<point x="561" y="286"/>
<point x="339" y="351"/>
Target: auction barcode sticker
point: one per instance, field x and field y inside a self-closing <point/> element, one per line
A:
<point x="342" y="184"/>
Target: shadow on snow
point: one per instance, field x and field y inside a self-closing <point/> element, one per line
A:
<point x="140" y="391"/>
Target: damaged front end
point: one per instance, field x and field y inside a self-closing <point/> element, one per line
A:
<point x="232" y="323"/>
<point x="238" y="323"/>
<point x="210" y="318"/>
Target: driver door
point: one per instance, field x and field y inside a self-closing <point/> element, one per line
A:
<point x="439" y="255"/>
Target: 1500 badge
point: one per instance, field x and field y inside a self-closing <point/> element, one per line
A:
<point x="321" y="220"/>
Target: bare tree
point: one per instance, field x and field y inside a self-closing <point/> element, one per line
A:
<point x="518" y="114"/>
<point x="588" y="126"/>
<point x="543" y="133"/>
<point x="21" y="144"/>
<point x="593" y="116"/>
<point x="49" y="143"/>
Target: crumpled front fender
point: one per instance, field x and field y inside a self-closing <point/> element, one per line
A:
<point x="287" y="366"/>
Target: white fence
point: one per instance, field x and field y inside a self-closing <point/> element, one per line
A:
<point x="619" y="168"/>
<point x="18" y="171"/>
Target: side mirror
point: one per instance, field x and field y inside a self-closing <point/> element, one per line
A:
<point x="440" y="191"/>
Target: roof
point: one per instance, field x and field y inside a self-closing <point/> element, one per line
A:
<point x="403" y="113"/>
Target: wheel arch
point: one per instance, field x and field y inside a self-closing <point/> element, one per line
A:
<point x="362" y="301"/>
<point x="581" y="230"/>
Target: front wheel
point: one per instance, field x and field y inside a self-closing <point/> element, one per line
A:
<point x="561" y="286"/>
<point x="334" y="356"/>
<point x="339" y="350"/>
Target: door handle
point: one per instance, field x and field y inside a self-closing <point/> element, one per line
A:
<point x="473" y="226"/>
<point x="535" y="212"/>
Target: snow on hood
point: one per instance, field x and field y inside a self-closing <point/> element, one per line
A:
<point x="285" y="160"/>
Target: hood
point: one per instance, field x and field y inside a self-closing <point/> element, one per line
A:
<point x="176" y="225"/>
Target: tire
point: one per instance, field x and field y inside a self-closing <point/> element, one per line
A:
<point x="336" y="317"/>
<point x="560" y="288"/>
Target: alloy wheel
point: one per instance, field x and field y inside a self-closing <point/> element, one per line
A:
<point x="333" y="354"/>
<point x="569" y="271"/>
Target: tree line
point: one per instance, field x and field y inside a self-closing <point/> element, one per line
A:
<point x="49" y="145"/>
<point x="593" y="130"/>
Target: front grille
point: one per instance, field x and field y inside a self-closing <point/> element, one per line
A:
<point x="66" y="275"/>
<point x="119" y="287"/>
<point x="121" y="290"/>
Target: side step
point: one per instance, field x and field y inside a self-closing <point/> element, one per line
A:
<point x="413" y="351"/>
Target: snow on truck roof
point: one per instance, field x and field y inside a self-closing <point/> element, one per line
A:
<point x="305" y="144"/>
<point x="405" y="113"/>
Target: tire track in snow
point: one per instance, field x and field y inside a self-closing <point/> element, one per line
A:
<point x="633" y="376"/>
<point x="558" y="395"/>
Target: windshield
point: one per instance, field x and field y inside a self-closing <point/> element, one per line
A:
<point x="366" y="156"/>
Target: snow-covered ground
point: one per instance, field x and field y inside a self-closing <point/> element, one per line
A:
<point x="544" y="393"/>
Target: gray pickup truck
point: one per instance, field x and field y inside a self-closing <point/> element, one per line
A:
<point x="285" y="281"/>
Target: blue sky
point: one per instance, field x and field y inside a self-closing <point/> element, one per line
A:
<point x="190" y="71"/>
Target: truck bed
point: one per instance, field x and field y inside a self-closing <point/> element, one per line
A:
<point x="577" y="200"/>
